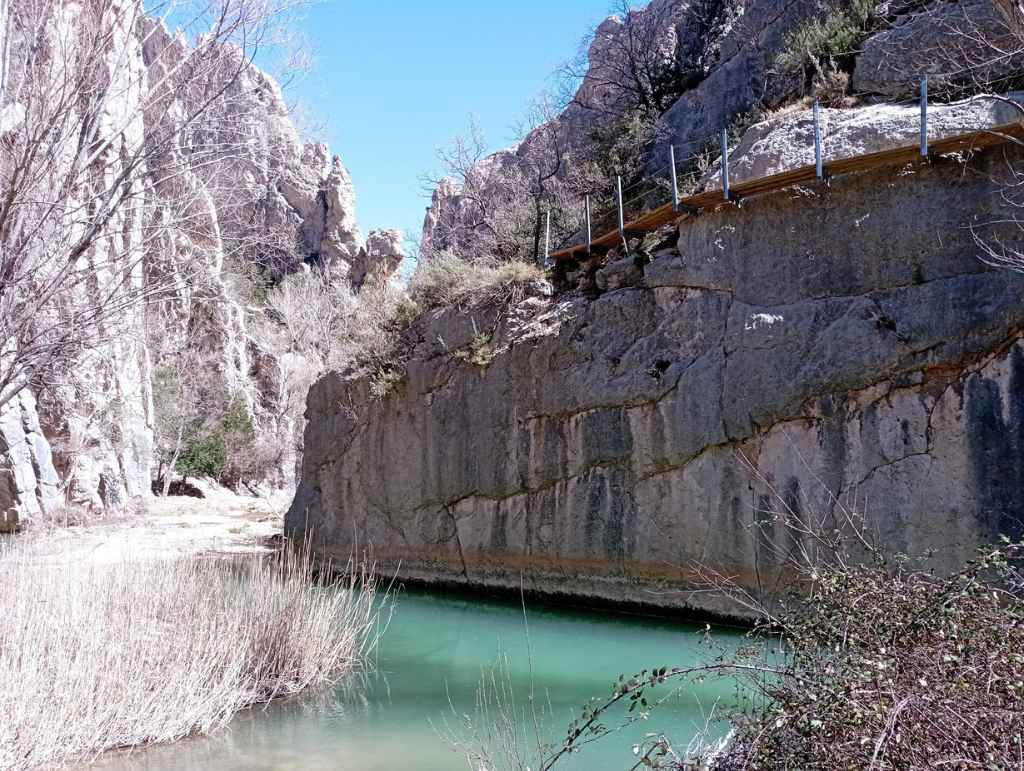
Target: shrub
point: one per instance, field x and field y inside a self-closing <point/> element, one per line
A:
<point x="384" y="380"/>
<point x="866" y="661"/>
<point x="120" y="654"/>
<point x="819" y="47"/>
<point x="478" y="353"/>
<point x="205" y="457"/>
<point x="897" y="669"/>
<point x="237" y="434"/>
<point x="224" y="450"/>
<point x="328" y="326"/>
<point x="867" y="667"/>
<point x="446" y="279"/>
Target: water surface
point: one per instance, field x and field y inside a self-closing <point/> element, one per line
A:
<point x="429" y="668"/>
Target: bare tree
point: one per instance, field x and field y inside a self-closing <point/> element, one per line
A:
<point x="642" y="60"/>
<point x="496" y="206"/>
<point x="179" y="407"/>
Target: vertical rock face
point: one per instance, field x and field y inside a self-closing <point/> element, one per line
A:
<point x="743" y="77"/>
<point x="28" y="479"/>
<point x="268" y="202"/>
<point x="269" y="190"/>
<point x="96" y="419"/>
<point x="814" y="353"/>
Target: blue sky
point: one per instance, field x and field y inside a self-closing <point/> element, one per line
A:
<point x="392" y="80"/>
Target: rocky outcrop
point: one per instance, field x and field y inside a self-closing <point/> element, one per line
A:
<point x="266" y="187"/>
<point x="966" y="46"/>
<point x="382" y="255"/>
<point x="831" y="349"/>
<point x="87" y="437"/>
<point x="786" y="141"/>
<point x="743" y="78"/>
<point x="28" y="479"/>
<point x="724" y="50"/>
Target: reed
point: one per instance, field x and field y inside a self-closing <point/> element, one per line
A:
<point x="96" y="656"/>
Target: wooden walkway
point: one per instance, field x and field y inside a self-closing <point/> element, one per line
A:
<point x="897" y="156"/>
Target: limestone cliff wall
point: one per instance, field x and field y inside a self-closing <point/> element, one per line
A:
<point x="269" y="204"/>
<point x="836" y="345"/>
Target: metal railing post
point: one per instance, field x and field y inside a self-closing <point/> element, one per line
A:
<point x="547" y="236"/>
<point x="725" y="163"/>
<point x="622" y="218"/>
<point x="924" y="116"/>
<point x="589" y="238"/>
<point x="675" y="181"/>
<point x="622" y="215"/>
<point x="819" y="168"/>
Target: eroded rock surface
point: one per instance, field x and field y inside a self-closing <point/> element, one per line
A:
<point x="818" y="350"/>
<point x="262" y="204"/>
<point x="959" y="46"/>
<point x="786" y="141"/>
<point x="28" y="479"/>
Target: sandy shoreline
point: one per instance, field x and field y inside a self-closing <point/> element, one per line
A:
<point x="176" y="526"/>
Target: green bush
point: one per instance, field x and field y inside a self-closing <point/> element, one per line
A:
<point x="384" y="380"/>
<point x="822" y="46"/>
<point x="203" y="457"/>
<point x="223" y="450"/>
<point x="236" y="424"/>
<point x="478" y="353"/>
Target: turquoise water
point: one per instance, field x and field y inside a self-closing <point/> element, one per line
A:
<point x="429" y="667"/>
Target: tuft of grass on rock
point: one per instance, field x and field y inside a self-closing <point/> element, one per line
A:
<point x="478" y="353"/>
<point x="96" y="656"/>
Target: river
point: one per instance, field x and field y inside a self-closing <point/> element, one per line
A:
<point x="428" y="670"/>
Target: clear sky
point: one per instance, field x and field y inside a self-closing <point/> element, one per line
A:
<point x="392" y="80"/>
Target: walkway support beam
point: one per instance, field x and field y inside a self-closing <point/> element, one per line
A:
<point x="547" y="236"/>
<point x="675" y="181"/>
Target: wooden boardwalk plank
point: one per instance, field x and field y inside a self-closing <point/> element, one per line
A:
<point x="897" y="156"/>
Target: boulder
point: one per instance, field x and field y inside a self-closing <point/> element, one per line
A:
<point x="962" y="46"/>
<point x="381" y="256"/>
<point x="786" y="141"/>
<point x="619" y="273"/>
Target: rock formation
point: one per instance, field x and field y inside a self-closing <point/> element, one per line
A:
<point x="963" y="47"/>
<point x="959" y="46"/>
<point x="786" y="141"/>
<point x="820" y="350"/>
<point x="382" y="253"/>
<point x="259" y="200"/>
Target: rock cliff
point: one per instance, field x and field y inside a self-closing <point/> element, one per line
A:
<point x="825" y="348"/>
<point x="259" y="202"/>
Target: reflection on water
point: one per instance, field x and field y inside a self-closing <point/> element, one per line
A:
<point x="429" y="666"/>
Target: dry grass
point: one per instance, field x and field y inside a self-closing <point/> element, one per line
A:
<point x="446" y="279"/>
<point x="98" y="656"/>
